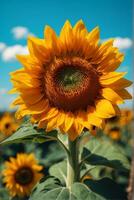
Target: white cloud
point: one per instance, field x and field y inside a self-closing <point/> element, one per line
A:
<point x="3" y="91"/>
<point x="2" y="46"/>
<point x="6" y="100"/>
<point x="123" y="43"/>
<point x="9" y="54"/>
<point x="20" y="32"/>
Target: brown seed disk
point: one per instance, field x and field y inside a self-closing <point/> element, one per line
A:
<point x="24" y="176"/>
<point x="71" y="84"/>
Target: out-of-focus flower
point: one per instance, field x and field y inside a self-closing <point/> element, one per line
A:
<point x="126" y="117"/>
<point x="21" y="174"/>
<point x="8" y="125"/>
<point x="69" y="82"/>
<point x="123" y="119"/>
<point x="114" y="132"/>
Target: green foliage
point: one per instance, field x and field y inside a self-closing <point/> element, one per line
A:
<point x="51" y="189"/>
<point x="99" y="158"/>
<point x="4" y="194"/>
<point x="59" y="170"/>
<point x="29" y="132"/>
<point x="102" y="152"/>
<point x="54" y="154"/>
<point x="107" y="188"/>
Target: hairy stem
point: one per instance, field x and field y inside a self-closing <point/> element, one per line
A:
<point x="73" y="173"/>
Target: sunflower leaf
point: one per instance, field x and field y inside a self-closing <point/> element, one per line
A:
<point x="51" y="188"/>
<point x="104" y="153"/>
<point x="29" y="132"/>
<point x="59" y="170"/>
<point x="55" y="154"/>
<point x="105" y="187"/>
<point x="4" y="194"/>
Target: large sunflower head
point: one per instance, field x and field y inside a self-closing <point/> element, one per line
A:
<point x="8" y="125"/>
<point x="21" y="174"/>
<point x="68" y="81"/>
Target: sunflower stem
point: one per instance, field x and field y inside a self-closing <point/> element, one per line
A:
<point x="73" y="173"/>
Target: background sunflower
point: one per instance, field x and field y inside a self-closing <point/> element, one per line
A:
<point x="8" y="124"/>
<point x="21" y="174"/>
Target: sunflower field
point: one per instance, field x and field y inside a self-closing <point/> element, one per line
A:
<point x="68" y="138"/>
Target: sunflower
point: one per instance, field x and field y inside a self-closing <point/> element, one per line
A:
<point x="21" y="174"/>
<point x="126" y="117"/>
<point x="68" y="81"/>
<point x="8" y="125"/>
<point x="115" y="133"/>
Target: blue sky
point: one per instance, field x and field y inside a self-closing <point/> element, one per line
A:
<point x="114" y="17"/>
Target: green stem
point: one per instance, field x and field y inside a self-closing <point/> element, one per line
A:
<point x="73" y="173"/>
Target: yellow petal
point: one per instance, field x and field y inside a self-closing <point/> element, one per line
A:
<point x="111" y="64"/>
<point x="17" y="101"/>
<point x="89" y="118"/>
<point x="75" y="130"/>
<point x="61" y="118"/>
<point x="12" y="91"/>
<point x="24" y="59"/>
<point x="66" y="28"/>
<point x="68" y="121"/>
<point x="95" y="121"/>
<point x="93" y="36"/>
<point x="51" y="124"/>
<point x="51" y="37"/>
<point x="66" y="39"/>
<point x="50" y="114"/>
<point x="111" y="95"/>
<point x="38" y="107"/>
<point x="36" y="48"/>
<point x="105" y="45"/>
<point x="105" y="109"/>
<point x="49" y="33"/>
<point x="124" y="94"/>
<point x="121" y="83"/>
<point x="79" y="26"/>
<point x="111" y="77"/>
<point x="32" y="96"/>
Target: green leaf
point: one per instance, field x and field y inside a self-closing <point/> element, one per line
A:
<point x="51" y="189"/>
<point x="96" y="172"/>
<point x="102" y="152"/>
<point x="55" y="153"/>
<point x="4" y="194"/>
<point x="106" y="188"/>
<point x="29" y="132"/>
<point x="59" y="170"/>
<point x="82" y="192"/>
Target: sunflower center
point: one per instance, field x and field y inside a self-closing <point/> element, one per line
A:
<point x="69" y="78"/>
<point x="71" y="84"/>
<point x="24" y="176"/>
